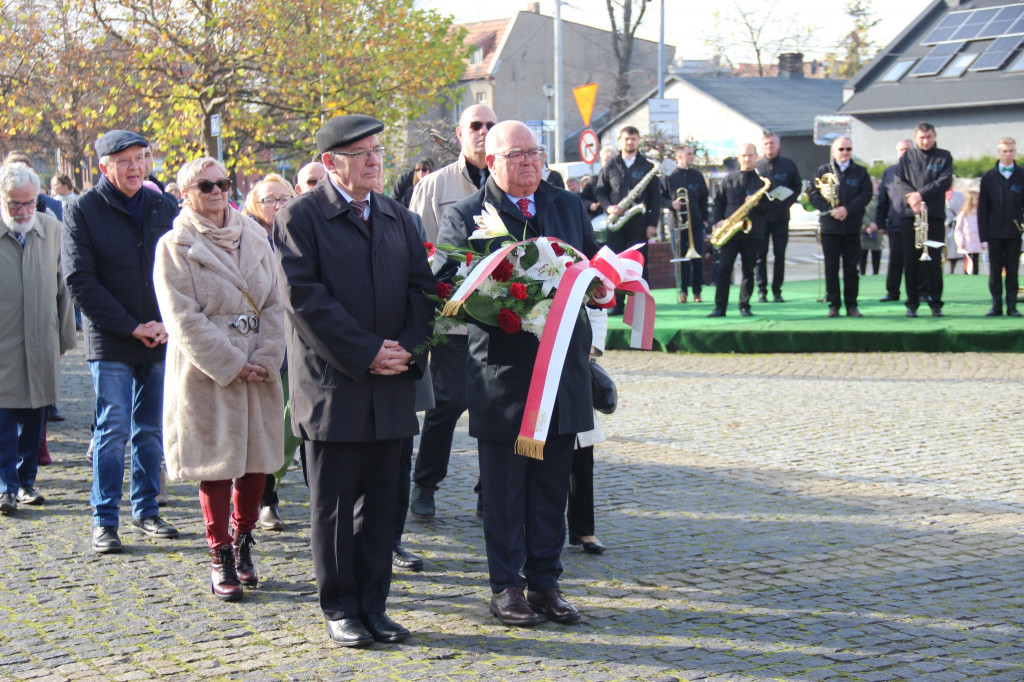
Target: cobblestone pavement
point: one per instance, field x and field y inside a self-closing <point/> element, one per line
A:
<point x="791" y="517"/>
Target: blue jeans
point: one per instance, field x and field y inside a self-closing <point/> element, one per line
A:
<point x="21" y="435"/>
<point x="129" y="401"/>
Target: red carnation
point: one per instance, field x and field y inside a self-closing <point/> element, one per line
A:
<point x="469" y="258"/>
<point x="443" y="290"/>
<point x="557" y="248"/>
<point x="517" y="290"/>
<point x="429" y="247"/>
<point x="503" y="272"/>
<point x="509" y="321"/>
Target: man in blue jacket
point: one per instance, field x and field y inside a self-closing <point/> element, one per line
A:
<point x="110" y="237"/>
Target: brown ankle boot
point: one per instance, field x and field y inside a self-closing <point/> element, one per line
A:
<point x="223" y="580"/>
<point x="244" y="567"/>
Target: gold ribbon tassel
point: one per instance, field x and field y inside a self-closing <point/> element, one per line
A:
<point x="530" y="447"/>
<point x="451" y="308"/>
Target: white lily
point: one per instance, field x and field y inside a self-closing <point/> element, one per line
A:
<point x="489" y="224"/>
<point x="549" y="267"/>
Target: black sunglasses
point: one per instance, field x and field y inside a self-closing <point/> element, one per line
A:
<point x="477" y="125"/>
<point x="844" y="149"/>
<point x="206" y="186"/>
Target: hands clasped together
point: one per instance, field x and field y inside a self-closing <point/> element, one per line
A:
<point x="391" y="359"/>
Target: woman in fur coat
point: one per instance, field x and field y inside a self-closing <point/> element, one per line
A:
<point x="223" y="407"/>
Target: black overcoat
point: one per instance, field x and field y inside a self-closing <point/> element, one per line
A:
<point x="500" y="365"/>
<point x="346" y="289"/>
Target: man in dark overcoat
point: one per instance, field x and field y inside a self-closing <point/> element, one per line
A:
<point x="1000" y="222"/>
<point x="353" y="273"/>
<point x="524" y="499"/>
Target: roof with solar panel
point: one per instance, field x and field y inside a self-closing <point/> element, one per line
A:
<point x="955" y="54"/>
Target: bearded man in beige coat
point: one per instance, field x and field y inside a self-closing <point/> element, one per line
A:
<point x="36" y="327"/>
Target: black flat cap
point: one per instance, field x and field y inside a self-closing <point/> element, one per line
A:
<point x="117" y="141"/>
<point x="343" y="130"/>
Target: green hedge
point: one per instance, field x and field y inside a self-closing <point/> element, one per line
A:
<point x="962" y="168"/>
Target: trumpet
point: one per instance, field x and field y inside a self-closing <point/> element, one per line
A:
<point x="921" y="232"/>
<point x="739" y="220"/>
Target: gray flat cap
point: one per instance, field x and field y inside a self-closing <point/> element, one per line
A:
<point x="117" y="141"/>
<point x="343" y="130"/>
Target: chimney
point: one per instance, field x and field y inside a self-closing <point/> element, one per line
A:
<point x="791" y="65"/>
<point x="533" y="7"/>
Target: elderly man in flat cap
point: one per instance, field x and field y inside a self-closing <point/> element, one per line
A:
<point x="353" y="272"/>
<point x="109" y="244"/>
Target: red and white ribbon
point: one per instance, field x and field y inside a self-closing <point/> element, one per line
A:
<point x="624" y="271"/>
<point x="475" y="278"/>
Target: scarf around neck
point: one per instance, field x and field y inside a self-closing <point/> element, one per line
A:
<point x="227" y="237"/>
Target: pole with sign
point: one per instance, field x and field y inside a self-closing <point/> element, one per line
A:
<point x="585" y="96"/>
<point x="215" y="131"/>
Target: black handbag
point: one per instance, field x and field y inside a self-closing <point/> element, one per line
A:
<point x="603" y="388"/>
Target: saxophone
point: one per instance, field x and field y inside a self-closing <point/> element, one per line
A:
<point x="738" y="221"/>
<point x="921" y="232"/>
<point x="628" y="204"/>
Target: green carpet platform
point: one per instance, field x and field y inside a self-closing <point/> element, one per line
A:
<point x="800" y="324"/>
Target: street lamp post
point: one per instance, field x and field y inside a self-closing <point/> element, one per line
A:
<point x="549" y="92"/>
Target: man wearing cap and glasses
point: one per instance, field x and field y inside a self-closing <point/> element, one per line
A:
<point x="431" y="196"/>
<point x="353" y="272"/>
<point x="109" y="246"/>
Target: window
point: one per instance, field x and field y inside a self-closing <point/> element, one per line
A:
<point x="897" y="71"/>
<point x="481" y="98"/>
<point x="957" y="67"/>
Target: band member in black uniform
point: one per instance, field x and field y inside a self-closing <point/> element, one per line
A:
<point x="690" y="179"/>
<point x="783" y="173"/>
<point x="1000" y="221"/>
<point x="734" y="191"/>
<point x="841" y="222"/>
<point x="616" y="179"/>
<point x="922" y="177"/>
<point x="887" y="217"/>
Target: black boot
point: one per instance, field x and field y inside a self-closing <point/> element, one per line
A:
<point x="244" y="567"/>
<point x="223" y="580"/>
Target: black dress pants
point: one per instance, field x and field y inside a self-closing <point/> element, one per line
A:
<point x="746" y="248"/>
<point x="524" y="500"/>
<point x="352" y="490"/>
<point x="914" y="268"/>
<point x="448" y="375"/>
<point x="1003" y="253"/>
<point x="845" y="248"/>
<point x="580" y="512"/>
<point x="895" y="274"/>
<point x="691" y="272"/>
<point x="778" y="231"/>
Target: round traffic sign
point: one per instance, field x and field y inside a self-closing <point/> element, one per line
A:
<point x="588" y="146"/>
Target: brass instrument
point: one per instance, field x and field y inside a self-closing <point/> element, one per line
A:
<point x="921" y="232"/>
<point x="738" y="221"/>
<point x="628" y="205"/>
<point x="828" y="187"/>
<point x="674" y="236"/>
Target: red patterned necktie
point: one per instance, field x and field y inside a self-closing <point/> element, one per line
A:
<point x="524" y="206"/>
<point x="358" y="207"/>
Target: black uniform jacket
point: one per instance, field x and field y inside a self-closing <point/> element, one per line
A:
<point x="854" y="195"/>
<point x="500" y="364"/>
<point x="928" y="172"/>
<point x="346" y="289"/>
<point x="1000" y="203"/>
<point x="616" y="179"/>
<point x="692" y="181"/>
<point x="887" y="210"/>
<point x="108" y="266"/>
<point x="783" y="173"/>
<point x="735" y="189"/>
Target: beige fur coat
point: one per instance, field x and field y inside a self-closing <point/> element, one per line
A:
<point x="216" y="429"/>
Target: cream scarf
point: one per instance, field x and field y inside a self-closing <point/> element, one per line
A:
<point x="227" y="238"/>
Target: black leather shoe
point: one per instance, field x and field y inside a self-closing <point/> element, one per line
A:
<point x="270" y="518"/>
<point x="8" y="503"/>
<point x="156" y="527"/>
<point x="746" y="312"/>
<point x="778" y="298"/>
<point x="105" y="540"/>
<point x="911" y="312"/>
<point x="833" y="311"/>
<point x="994" y="312"/>
<point x="422" y="505"/>
<point x="1012" y="312"/>
<point x="552" y="605"/>
<point x="937" y="312"/>
<point x="889" y="298"/>
<point x="28" y="495"/>
<point x="349" y="632"/>
<point x="511" y="608"/>
<point x="853" y="312"/>
<point x="404" y="560"/>
<point x="593" y="547"/>
<point x="762" y="298"/>
<point x="383" y="629"/>
<point x="717" y="312"/>
<point x="53" y="414"/>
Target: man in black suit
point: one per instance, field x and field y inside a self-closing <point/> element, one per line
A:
<point x="783" y="173"/>
<point x="887" y="217"/>
<point x="524" y="498"/>
<point x="353" y="272"/>
<point x="841" y="219"/>
<point x="1000" y="221"/>
<point x="691" y="272"/>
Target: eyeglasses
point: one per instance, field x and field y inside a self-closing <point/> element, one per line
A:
<point x="422" y="170"/>
<point x="206" y="186"/>
<point x="311" y="181"/>
<point x="844" y="149"/>
<point x="125" y="163"/>
<point x="520" y="156"/>
<point x="15" y="206"/>
<point x="275" y="201"/>
<point x="477" y="125"/>
<point x="364" y="154"/>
